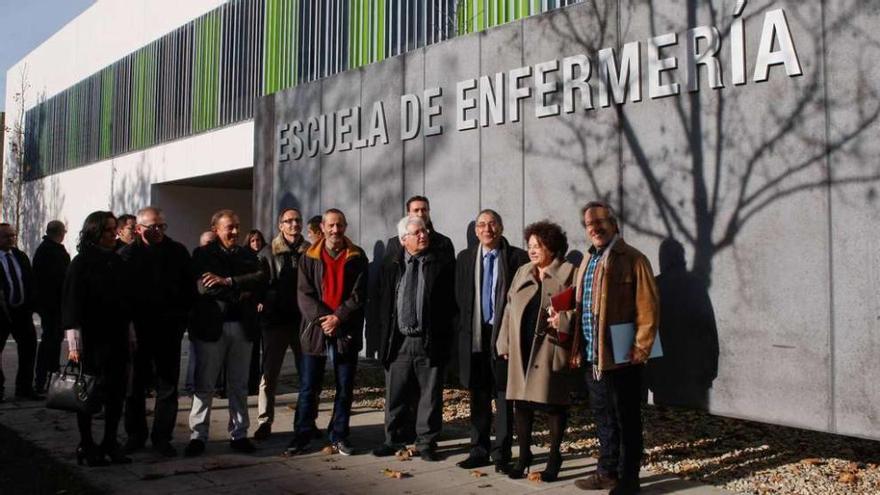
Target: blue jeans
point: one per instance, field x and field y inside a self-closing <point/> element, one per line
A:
<point x="312" y="367"/>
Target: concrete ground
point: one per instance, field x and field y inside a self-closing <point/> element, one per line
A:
<point x="220" y="470"/>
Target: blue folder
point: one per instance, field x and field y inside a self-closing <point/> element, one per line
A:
<point x="622" y="337"/>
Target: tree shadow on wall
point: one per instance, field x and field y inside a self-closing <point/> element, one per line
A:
<point x="688" y="333"/>
<point x="729" y="171"/>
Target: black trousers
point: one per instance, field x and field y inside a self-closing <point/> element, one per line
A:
<point x="482" y="390"/>
<point x="156" y="361"/>
<point x="107" y="361"/>
<point x="412" y="367"/>
<point x="25" y="335"/>
<point x="49" y="350"/>
<point x="615" y="400"/>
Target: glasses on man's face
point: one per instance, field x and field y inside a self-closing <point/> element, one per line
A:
<point x="483" y="225"/>
<point x="156" y="227"/>
<point x="596" y="223"/>
<point x="420" y="232"/>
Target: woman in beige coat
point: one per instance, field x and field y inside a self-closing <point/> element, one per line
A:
<point x="537" y="376"/>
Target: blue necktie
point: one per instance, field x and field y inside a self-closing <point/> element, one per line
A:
<point x="488" y="282"/>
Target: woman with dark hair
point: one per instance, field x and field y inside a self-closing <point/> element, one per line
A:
<point x="538" y="355"/>
<point x="96" y="311"/>
<point x="256" y="242"/>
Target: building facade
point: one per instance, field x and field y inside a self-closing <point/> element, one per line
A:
<point x="726" y="133"/>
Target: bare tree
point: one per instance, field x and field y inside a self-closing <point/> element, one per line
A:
<point x="16" y="169"/>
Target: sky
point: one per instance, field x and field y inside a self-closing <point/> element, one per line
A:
<point x="25" y="24"/>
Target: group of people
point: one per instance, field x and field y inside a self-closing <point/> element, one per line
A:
<point x="494" y="309"/>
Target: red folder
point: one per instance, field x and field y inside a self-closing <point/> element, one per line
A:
<point x="564" y="301"/>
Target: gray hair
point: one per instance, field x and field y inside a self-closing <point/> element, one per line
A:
<point x="406" y="222"/>
<point x="149" y="209"/>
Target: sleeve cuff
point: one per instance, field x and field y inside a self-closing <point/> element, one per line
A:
<point x="74" y="339"/>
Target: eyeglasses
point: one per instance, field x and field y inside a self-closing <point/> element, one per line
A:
<point x="596" y="223"/>
<point x="483" y="225"/>
<point x="419" y="232"/>
<point x="156" y="226"/>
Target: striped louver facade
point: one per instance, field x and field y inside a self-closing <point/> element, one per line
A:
<point x="208" y="73"/>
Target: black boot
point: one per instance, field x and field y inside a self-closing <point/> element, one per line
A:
<point x="91" y="455"/>
<point x="551" y="472"/>
<point x="523" y="417"/>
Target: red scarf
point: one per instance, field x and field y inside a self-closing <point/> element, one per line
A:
<point x="333" y="282"/>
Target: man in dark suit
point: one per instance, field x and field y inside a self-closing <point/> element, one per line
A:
<point x="162" y="284"/>
<point x="420" y="207"/>
<point x="50" y="266"/>
<point x="416" y="313"/>
<point x="18" y="290"/>
<point x="483" y="275"/>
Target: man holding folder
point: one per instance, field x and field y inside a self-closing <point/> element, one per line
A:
<point x="616" y="290"/>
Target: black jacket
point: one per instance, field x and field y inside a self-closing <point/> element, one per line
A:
<point x="438" y="307"/>
<point x="96" y="298"/>
<point x="310" y="292"/>
<point x="511" y="258"/>
<point x="27" y="283"/>
<point x="50" y="266"/>
<point x="161" y="282"/>
<point x="218" y="304"/>
<point x="282" y="262"/>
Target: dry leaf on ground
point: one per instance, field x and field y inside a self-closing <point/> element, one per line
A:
<point x="476" y="473"/>
<point x="328" y="450"/>
<point x="390" y="473"/>
<point x="536" y="477"/>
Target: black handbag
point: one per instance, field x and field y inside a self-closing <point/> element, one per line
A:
<point x="73" y="390"/>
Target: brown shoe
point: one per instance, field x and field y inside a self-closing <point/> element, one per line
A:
<point x="596" y="481"/>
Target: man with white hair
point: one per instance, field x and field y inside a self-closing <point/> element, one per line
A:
<point x="416" y="308"/>
<point x="163" y="288"/>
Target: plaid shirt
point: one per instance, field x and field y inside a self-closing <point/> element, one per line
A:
<point x="587" y="310"/>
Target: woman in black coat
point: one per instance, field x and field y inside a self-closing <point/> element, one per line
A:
<point x="96" y="312"/>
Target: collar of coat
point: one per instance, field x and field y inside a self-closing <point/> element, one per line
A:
<point x="351" y="250"/>
<point x="280" y="245"/>
<point x="551" y="272"/>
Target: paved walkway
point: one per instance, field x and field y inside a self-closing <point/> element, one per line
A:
<point x="220" y="470"/>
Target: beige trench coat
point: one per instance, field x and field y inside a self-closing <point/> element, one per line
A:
<point x="546" y="380"/>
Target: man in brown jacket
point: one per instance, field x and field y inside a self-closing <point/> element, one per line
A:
<point x="331" y="292"/>
<point x="615" y="287"/>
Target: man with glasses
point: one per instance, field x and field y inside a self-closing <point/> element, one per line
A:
<point x="162" y="286"/>
<point x="416" y="305"/>
<point x="16" y="312"/>
<point x="483" y="275"/>
<point x="280" y="317"/>
<point x="616" y="288"/>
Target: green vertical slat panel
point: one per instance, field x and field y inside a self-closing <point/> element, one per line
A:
<point x="380" y="32"/>
<point x="107" y="83"/>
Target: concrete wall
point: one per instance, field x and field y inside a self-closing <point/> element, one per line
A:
<point x="771" y="187"/>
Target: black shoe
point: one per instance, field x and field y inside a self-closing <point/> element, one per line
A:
<point x="343" y="447"/>
<point x="502" y="467"/>
<point x="625" y="487"/>
<point x="194" y="448"/>
<point x="523" y="464"/>
<point x="243" y="445"/>
<point x="165" y="449"/>
<point x="384" y="450"/>
<point x="263" y="432"/>
<point x="429" y="454"/>
<point x="473" y="462"/>
<point x="297" y="446"/>
<point x="597" y="481"/>
<point x="115" y="454"/>
<point x="551" y="472"/>
<point x="133" y="444"/>
<point x="91" y="455"/>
